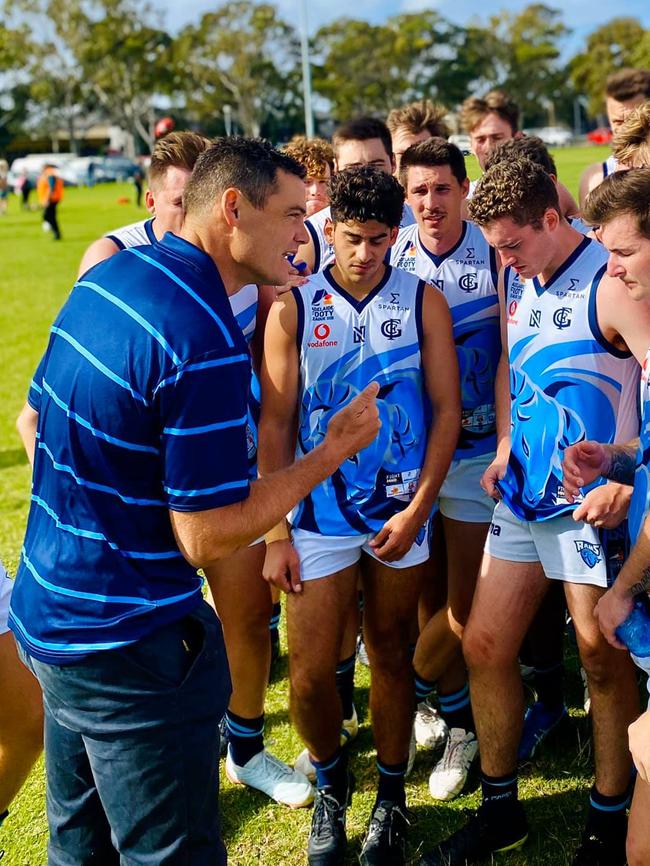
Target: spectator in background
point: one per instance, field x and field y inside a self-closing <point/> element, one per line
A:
<point x="316" y="156"/>
<point x="49" y="188"/>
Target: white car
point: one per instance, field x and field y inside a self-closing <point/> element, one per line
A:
<point x="555" y="136"/>
<point x="462" y="142"/>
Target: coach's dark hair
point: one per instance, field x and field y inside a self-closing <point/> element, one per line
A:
<point x="530" y="147"/>
<point x="431" y="153"/>
<point x="623" y="192"/>
<point x="366" y="193"/>
<point x="518" y="189"/>
<point x="248" y="164"/>
<point x="363" y="129"/>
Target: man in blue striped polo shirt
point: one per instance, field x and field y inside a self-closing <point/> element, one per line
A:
<point x="140" y="477"/>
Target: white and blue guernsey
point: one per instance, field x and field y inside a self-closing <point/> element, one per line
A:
<point x="567" y="382"/>
<point x="467" y="278"/>
<point x="344" y="344"/>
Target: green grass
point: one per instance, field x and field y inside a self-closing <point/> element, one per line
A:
<point x="37" y="274"/>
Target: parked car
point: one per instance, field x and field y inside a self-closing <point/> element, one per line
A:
<point x="462" y="142"/>
<point x="600" y="135"/>
<point x="555" y="136"/>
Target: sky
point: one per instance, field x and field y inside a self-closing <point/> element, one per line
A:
<point x="582" y="16"/>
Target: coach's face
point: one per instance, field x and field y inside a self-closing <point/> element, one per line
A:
<point x="525" y="249"/>
<point x="263" y="237"/>
<point x="629" y="254"/>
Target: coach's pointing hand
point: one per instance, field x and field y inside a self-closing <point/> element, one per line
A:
<point x="355" y="425"/>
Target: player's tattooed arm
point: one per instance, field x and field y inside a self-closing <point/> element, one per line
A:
<point x="641" y="585"/>
<point x="621" y="463"/>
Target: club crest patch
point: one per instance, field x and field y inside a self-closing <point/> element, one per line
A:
<point x="590" y="553"/>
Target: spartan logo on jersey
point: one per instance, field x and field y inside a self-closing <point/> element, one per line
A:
<point x="321" y="306"/>
<point x="359" y="333"/>
<point x="470" y="253"/>
<point x="590" y="553"/>
<point x="469" y="282"/>
<point x="562" y="318"/>
<point x="391" y="328"/>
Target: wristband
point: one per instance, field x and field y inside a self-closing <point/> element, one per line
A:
<point x="277" y="533"/>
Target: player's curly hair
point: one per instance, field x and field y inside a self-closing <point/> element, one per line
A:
<point x="421" y="116"/>
<point x="517" y="188"/>
<point x="314" y="154"/>
<point x="530" y="146"/>
<point x="475" y="108"/>
<point x="623" y="192"/>
<point x="631" y="144"/>
<point x="366" y="193"/>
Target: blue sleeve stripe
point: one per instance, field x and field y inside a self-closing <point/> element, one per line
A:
<point x="191" y="292"/>
<point x="98" y="364"/>
<point x="99" y="536"/>
<point x="62" y="649"/>
<point x="206" y="491"/>
<point x="206" y="428"/>
<point x="135" y="316"/>
<point x="101" y="488"/>
<point x="99" y="434"/>
<point x="201" y="365"/>
<point x="36" y="387"/>
<point x="136" y="601"/>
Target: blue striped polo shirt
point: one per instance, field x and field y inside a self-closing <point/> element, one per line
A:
<point x="142" y="402"/>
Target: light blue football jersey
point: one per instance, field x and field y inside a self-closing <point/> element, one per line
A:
<point x="610" y="166"/>
<point x="467" y="277"/>
<point x="323" y="251"/>
<point x="567" y="383"/>
<point x="640" y="504"/>
<point x="345" y="344"/>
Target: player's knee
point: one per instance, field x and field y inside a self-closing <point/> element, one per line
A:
<point x="603" y="665"/>
<point x="483" y="648"/>
<point x="309" y="681"/>
<point x="637" y="848"/>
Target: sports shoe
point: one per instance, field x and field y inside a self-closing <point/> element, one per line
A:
<point x="538" y="724"/>
<point x="449" y="775"/>
<point x="431" y="730"/>
<point x="273" y="777"/>
<point x="479" y="838"/>
<point x="385" y="842"/>
<point x="349" y="730"/>
<point x="594" y="851"/>
<point x="327" y="839"/>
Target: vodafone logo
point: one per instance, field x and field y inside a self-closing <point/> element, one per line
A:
<point x="322" y="337"/>
<point x="512" y="309"/>
<point x="322" y="331"/>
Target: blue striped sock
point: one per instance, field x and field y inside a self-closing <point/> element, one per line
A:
<point x="607" y="815"/>
<point x="423" y="688"/>
<point x="498" y="790"/>
<point x="245" y="737"/>
<point x="332" y="773"/>
<point x="391" y="781"/>
<point x="456" y="709"/>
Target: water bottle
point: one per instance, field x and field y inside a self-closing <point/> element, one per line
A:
<point x="634" y="632"/>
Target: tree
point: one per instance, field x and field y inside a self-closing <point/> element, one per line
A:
<point x="243" y="55"/>
<point x="527" y="46"/>
<point x="616" y="44"/>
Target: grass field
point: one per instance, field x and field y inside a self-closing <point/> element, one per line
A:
<point x="37" y="274"/>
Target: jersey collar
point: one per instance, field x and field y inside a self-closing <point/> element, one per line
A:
<point x="438" y="260"/>
<point x="359" y="306"/>
<point x="564" y="267"/>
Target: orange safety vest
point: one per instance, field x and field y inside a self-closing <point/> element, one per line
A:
<point x="43" y="187"/>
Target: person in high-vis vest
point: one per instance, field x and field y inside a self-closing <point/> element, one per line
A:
<point x="50" y="192"/>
